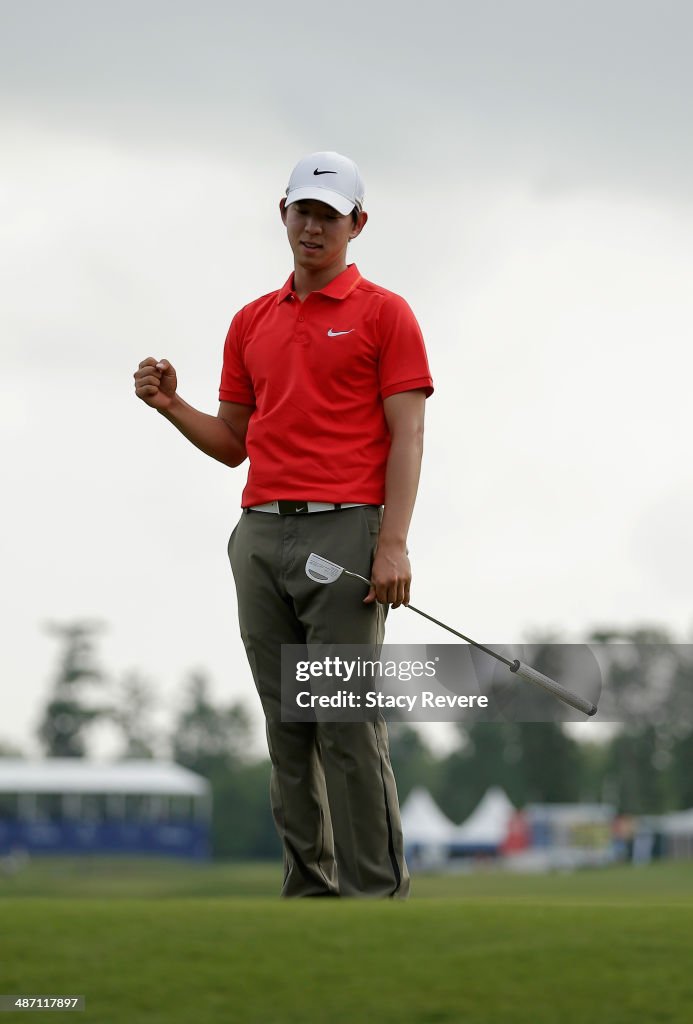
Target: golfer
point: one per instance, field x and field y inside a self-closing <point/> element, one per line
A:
<point x="323" y="388"/>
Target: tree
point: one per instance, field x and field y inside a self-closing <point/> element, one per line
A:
<point x="68" y="713"/>
<point x="593" y="758"/>
<point x="548" y="765"/>
<point x="534" y="762"/>
<point x="215" y="741"/>
<point x="207" y="738"/>
<point x="681" y="773"/>
<point x="487" y="755"/>
<point x="412" y="761"/>
<point x="131" y="714"/>
<point x="640" y="673"/>
<point x="242" y="825"/>
<point x="634" y="783"/>
<point x="648" y="686"/>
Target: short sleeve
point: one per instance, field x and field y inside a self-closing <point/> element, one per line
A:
<point x="402" y="364"/>
<point x="236" y="385"/>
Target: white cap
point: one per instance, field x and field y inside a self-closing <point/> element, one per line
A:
<point x="330" y="177"/>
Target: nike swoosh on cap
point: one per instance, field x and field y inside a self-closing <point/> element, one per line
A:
<point x="335" y="334"/>
<point x="316" y="171"/>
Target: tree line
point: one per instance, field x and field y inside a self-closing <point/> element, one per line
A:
<point x="645" y="767"/>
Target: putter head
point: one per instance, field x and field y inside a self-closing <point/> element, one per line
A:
<point x="321" y="570"/>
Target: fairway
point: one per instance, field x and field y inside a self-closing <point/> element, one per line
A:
<point x="610" y="946"/>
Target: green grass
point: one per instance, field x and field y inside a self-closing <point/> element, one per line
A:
<point x="152" y="942"/>
<point x="140" y="877"/>
<point x="161" y="878"/>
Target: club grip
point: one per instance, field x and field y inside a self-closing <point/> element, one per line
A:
<point x="546" y="683"/>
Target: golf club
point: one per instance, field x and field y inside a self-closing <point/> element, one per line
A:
<point x="321" y="570"/>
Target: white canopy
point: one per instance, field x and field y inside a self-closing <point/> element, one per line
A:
<point x="488" y="823"/>
<point x="78" y="775"/>
<point x="423" y="822"/>
<point x="677" y="823"/>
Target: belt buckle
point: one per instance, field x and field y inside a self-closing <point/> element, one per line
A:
<point x="290" y="508"/>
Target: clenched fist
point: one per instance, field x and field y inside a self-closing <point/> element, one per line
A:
<point x="155" y="382"/>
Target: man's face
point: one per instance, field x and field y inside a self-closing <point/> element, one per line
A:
<point x="318" y="234"/>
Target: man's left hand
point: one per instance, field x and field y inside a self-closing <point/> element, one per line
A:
<point x="390" y="577"/>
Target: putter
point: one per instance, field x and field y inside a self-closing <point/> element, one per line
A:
<point x="321" y="570"/>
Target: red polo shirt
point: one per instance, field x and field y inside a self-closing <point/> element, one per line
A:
<point x="317" y="372"/>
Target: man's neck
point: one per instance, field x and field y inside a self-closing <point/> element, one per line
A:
<point x="307" y="281"/>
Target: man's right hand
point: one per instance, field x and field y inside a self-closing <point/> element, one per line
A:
<point x="221" y="436"/>
<point x="155" y="383"/>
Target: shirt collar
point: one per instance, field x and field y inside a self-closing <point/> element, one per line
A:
<point x="338" y="288"/>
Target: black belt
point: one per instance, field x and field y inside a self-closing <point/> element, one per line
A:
<point x="295" y="507"/>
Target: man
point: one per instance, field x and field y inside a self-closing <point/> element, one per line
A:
<point x="323" y="388"/>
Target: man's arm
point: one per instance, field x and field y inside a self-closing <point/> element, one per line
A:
<point x="391" y="575"/>
<point x="221" y="436"/>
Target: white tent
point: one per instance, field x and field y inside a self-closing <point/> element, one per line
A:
<point x="79" y="775"/>
<point x="74" y="805"/>
<point x="487" y="825"/>
<point x="677" y="823"/>
<point x="677" y="830"/>
<point x="427" y="831"/>
<point x="423" y="822"/>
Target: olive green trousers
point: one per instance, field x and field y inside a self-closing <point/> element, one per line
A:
<point x="332" y="789"/>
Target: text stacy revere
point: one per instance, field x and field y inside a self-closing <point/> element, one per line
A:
<point x="377" y="699"/>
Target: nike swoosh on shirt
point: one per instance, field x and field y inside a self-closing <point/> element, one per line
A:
<point x="335" y="334"/>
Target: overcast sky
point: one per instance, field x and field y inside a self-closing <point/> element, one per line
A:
<point x="528" y="174"/>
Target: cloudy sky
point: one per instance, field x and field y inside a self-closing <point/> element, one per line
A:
<point x="529" y="182"/>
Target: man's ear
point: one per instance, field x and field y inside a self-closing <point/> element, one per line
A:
<point x="359" y="225"/>
<point x="282" y="209"/>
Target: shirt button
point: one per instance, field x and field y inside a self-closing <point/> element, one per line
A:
<point x="301" y="319"/>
